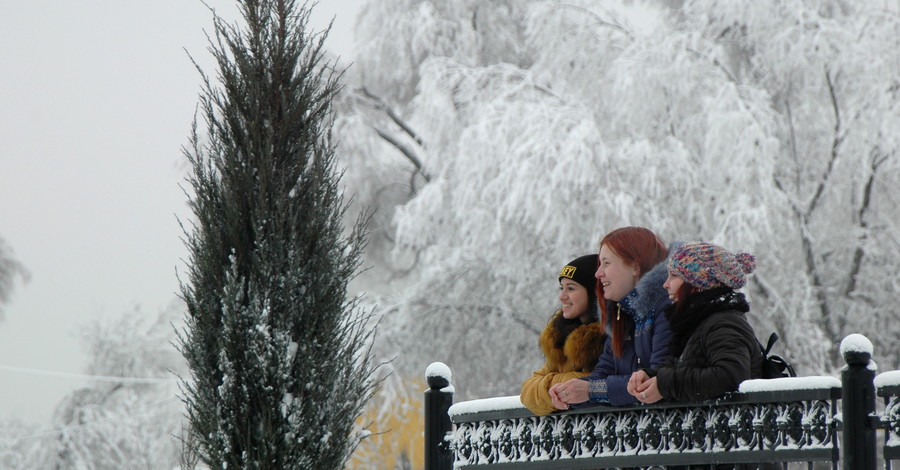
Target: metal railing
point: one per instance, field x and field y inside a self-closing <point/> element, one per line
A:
<point x="810" y="422"/>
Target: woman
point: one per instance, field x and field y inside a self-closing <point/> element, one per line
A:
<point x="573" y="338"/>
<point x="713" y="347"/>
<point x="630" y="273"/>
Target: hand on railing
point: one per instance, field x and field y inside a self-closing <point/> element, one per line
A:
<point x="644" y="388"/>
<point x="555" y="398"/>
<point x="570" y="391"/>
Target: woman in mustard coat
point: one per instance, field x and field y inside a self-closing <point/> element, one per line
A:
<point x="572" y="340"/>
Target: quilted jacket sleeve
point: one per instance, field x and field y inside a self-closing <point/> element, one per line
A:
<point x="715" y="361"/>
<point x="535" y="390"/>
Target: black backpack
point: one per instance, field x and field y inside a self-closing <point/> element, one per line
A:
<point x="774" y="366"/>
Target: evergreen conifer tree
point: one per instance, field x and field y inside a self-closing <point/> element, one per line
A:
<point x="279" y="356"/>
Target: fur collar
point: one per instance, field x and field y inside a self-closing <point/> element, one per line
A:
<point x="581" y="348"/>
<point x="648" y="294"/>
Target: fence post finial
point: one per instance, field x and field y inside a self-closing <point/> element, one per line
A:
<point x="858" y="403"/>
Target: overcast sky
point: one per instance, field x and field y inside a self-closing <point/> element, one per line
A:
<point x="96" y="99"/>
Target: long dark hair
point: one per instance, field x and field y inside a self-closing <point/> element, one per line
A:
<point x="635" y="245"/>
<point x="681" y="299"/>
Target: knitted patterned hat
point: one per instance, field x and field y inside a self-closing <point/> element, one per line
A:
<point x="704" y="266"/>
<point x="581" y="270"/>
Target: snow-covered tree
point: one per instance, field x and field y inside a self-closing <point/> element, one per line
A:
<point x="278" y="353"/>
<point x="18" y="442"/>
<point x="10" y="270"/>
<point x="130" y="415"/>
<point x="500" y="139"/>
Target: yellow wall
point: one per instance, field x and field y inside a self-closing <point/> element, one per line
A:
<point x="396" y="414"/>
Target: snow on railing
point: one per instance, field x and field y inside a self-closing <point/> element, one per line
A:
<point x="485" y="405"/>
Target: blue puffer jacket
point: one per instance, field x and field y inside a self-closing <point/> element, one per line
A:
<point x="646" y="346"/>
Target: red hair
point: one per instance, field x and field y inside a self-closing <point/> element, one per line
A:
<point x="636" y="246"/>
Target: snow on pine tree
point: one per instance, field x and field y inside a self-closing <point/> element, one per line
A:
<point x="500" y="139"/>
<point x="278" y="354"/>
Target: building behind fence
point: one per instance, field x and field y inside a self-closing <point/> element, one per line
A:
<point x="802" y="422"/>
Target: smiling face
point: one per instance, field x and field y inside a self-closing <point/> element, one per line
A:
<point x="574" y="299"/>
<point x="616" y="276"/>
<point x="672" y="286"/>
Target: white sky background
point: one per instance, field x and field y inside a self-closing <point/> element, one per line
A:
<point x="96" y="99"/>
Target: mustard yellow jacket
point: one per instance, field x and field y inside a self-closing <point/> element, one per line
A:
<point x="575" y="359"/>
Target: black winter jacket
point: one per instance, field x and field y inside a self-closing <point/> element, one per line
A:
<point x="713" y="347"/>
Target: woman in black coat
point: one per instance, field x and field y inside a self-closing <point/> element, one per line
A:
<point x="713" y="346"/>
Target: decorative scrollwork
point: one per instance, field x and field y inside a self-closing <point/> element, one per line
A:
<point x="626" y="431"/>
<point x="672" y="429"/>
<point x="719" y="430"/>
<point x="484" y="445"/>
<point x="503" y="436"/>
<point x="698" y="429"/>
<point x="741" y="426"/>
<point x="547" y="448"/>
<point x="791" y="423"/>
<point x="564" y="434"/>
<point x="649" y="429"/>
<point x="524" y="441"/>
<point x="890" y="420"/>
<point x="817" y="427"/>
<point x="608" y="436"/>
<point x="766" y="425"/>
<point x="694" y="427"/>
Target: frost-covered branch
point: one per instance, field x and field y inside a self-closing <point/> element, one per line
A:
<point x="835" y="143"/>
<point x="408" y="153"/>
<point x="717" y="63"/>
<point x="602" y="22"/>
<point x="10" y="269"/>
<point x="864" y="206"/>
<point x="379" y="104"/>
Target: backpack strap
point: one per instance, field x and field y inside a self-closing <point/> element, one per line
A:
<point x="772" y="338"/>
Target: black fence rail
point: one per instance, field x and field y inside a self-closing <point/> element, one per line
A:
<point x="803" y="422"/>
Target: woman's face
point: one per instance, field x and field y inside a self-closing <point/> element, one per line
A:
<point x="672" y="284"/>
<point x="616" y="276"/>
<point x="574" y="299"/>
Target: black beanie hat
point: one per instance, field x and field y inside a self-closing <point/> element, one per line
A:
<point x="582" y="270"/>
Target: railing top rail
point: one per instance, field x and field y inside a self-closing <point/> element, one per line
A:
<point x="791" y="389"/>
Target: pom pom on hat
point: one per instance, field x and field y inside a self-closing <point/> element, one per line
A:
<point x="704" y="266"/>
<point x="747" y="262"/>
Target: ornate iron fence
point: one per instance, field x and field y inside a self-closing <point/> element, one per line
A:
<point x="804" y="419"/>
